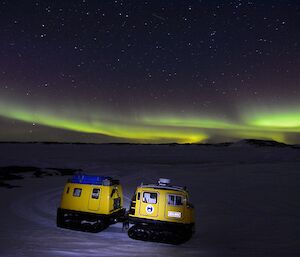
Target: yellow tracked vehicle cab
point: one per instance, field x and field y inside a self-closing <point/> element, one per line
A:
<point x="90" y="203"/>
<point x="162" y="213"/>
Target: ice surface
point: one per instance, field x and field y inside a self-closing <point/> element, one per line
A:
<point x="246" y="199"/>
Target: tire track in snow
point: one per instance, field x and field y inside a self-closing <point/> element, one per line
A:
<point x="38" y="207"/>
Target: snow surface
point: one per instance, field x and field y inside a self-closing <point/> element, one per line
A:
<point x="246" y="199"/>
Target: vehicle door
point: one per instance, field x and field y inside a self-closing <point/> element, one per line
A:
<point x="149" y="204"/>
<point x="94" y="199"/>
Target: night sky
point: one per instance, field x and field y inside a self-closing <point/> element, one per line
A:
<point x="149" y="71"/>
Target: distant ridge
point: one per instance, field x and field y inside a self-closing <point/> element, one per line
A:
<point x="260" y="143"/>
<point x="240" y="143"/>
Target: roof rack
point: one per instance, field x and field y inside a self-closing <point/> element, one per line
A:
<point x="168" y="187"/>
<point x="93" y="180"/>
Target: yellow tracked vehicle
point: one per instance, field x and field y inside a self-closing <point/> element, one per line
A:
<point x="90" y="203"/>
<point x="161" y="213"/>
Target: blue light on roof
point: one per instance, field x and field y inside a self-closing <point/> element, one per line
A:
<point x="89" y="179"/>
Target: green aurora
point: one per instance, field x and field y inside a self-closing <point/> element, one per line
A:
<point x="165" y="128"/>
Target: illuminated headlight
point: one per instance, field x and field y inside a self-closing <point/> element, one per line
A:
<point x="174" y="214"/>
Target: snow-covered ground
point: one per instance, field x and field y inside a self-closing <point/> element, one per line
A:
<point x="246" y="199"/>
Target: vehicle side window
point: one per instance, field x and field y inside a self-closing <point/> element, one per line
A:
<point x="77" y="192"/>
<point x="149" y="197"/>
<point x="95" y="193"/>
<point x="117" y="203"/>
<point x="175" y="200"/>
